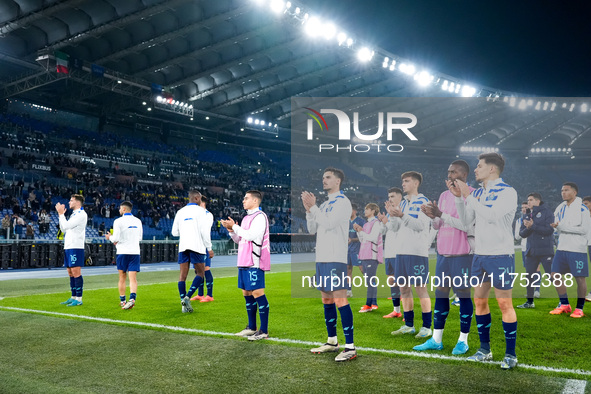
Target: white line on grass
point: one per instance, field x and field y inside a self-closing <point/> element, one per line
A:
<point x="574" y="386"/>
<point x="296" y="341"/>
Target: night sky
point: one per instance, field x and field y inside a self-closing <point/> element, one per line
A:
<point x="531" y="47"/>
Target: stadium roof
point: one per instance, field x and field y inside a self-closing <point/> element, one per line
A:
<point x="220" y="62"/>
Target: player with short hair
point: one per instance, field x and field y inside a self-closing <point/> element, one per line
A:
<point x="412" y="259"/>
<point x="330" y="223"/>
<point x="254" y="258"/>
<point x="587" y="202"/>
<point x="371" y="253"/>
<point x="127" y="234"/>
<point x="353" y="247"/>
<point x="536" y="228"/>
<point x="74" y="229"/>
<point x="455" y="248"/>
<point x="572" y="222"/>
<point x="491" y="208"/>
<point x="394" y="199"/>
<point x="208" y="256"/>
<point x="192" y="226"/>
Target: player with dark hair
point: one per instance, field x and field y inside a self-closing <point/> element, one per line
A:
<point x="455" y="244"/>
<point x="536" y="228"/>
<point x="353" y="247"/>
<point x="254" y="258"/>
<point x="491" y="209"/>
<point x="127" y="234"/>
<point x="391" y="231"/>
<point x="330" y="223"/>
<point x="371" y="253"/>
<point x="572" y="222"/>
<point x="192" y="226"/>
<point x="74" y="229"/>
<point x="587" y="202"/>
<point x="208" y="256"/>
<point x="412" y="258"/>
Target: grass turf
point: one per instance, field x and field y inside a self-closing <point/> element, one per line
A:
<point x="53" y="355"/>
<point x="558" y="344"/>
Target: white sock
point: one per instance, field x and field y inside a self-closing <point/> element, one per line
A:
<point x="397" y="309"/>
<point x="438" y="335"/>
<point x="349" y="346"/>
<point x="332" y="340"/>
<point x="464" y="337"/>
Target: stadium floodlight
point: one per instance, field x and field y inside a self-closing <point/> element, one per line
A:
<point x="144" y="103"/>
<point x="543" y="150"/>
<point x="505" y="99"/>
<point x="288" y="5"/>
<point x="532" y="150"/>
<point x="386" y="59"/>
<point x="256" y="121"/>
<point x="545" y="107"/>
<point x="512" y="101"/>
<point x="452" y="87"/>
<point x="553" y="106"/>
<point x="270" y="124"/>
<point x="159" y="99"/>
<point x="298" y="10"/>
<point x="569" y="149"/>
<point x="572" y="157"/>
<point x="423" y="78"/>
<point x="572" y="106"/>
<point x="530" y="102"/>
<point x="537" y="150"/>
<point x="191" y="106"/>
<point x="349" y="42"/>
<point x="242" y="129"/>
<point x="365" y="54"/>
<point x="522" y="104"/>
<point x="341" y="38"/>
<point x="207" y="118"/>
<point x="538" y="105"/>
<point x="563" y="105"/>
<point x="191" y="118"/>
<point x="408" y="69"/>
<point x="313" y="27"/>
<point x="553" y="149"/>
<point x="468" y="91"/>
<point x="392" y="66"/>
<point x="458" y="86"/>
<point x="329" y="30"/>
<point x="277" y="6"/>
<point x="149" y="108"/>
<point x="444" y="84"/>
<point x="584" y="107"/>
<point x="275" y="125"/>
<point x="385" y="65"/>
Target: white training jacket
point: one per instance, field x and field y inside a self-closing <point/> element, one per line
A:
<point x="74" y="229"/>
<point x="193" y="227"/>
<point x="573" y="226"/>
<point x="492" y="209"/>
<point x="127" y="234"/>
<point x="412" y="228"/>
<point x="330" y="223"/>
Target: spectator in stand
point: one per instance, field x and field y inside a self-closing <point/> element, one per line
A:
<point x="30" y="232"/>
<point x="43" y="222"/>
<point x="6" y="226"/>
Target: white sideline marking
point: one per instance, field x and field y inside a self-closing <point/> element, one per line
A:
<point x="576" y="384"/>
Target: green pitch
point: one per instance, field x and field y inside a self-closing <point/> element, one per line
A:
<point x="117" y="354"/>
